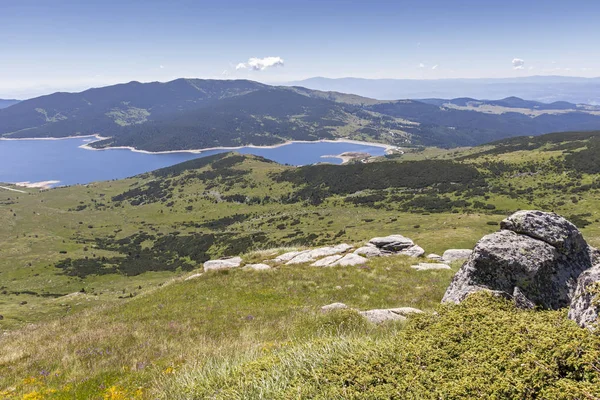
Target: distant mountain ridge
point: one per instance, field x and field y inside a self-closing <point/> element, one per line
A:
<point x="187" y="114"/>
<point x="545" y="89"/>
<point x="7" y="102"/>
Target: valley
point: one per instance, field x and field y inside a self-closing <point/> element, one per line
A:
<point x="95" y="297"/>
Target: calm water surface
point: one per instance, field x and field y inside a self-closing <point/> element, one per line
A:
<point x="63" y="160"/>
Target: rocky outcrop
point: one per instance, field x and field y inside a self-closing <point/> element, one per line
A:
<point x="370" y="251"/>
<point x="535" y="259"/>
<point x="224" y="263"/>
<point x="391" y="245"/>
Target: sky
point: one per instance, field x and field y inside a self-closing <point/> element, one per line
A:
<point x="68" y="45"/>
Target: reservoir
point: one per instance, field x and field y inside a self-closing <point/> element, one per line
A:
<point x="66" y="163"/>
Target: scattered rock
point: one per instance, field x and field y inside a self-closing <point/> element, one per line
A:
<point x="349" y="260"/>
<point x="406" y="311"/>
<point x="413" y="251"/>
<point x="194" y="276"/>
<point x="452" y="255"/>
<point x="536" y="264"/>
<point x="312" y="255"/>
<point x="327" y="261"/>
<point x="370" y="251"/>
<point x="434" y="257"/>
<point x="288" y="256"/>
<point x="333" y="306"/>
<point x="379" y="316"/>
<point x="429" y="266"/>
<point x="392" y="242"/>
<point x="258" y="267"/>
<point x="224" y="263"/>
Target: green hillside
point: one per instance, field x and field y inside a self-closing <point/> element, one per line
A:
<point x="95" y="302"/>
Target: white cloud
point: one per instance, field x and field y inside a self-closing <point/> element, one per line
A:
<point x="161" y="66"/>
<point x="435" y="66"/>
<point x="518" y="63"/>
<point x="531" y="67"/>
<point x="421" y="65"/>
<point x="260" y="64"/>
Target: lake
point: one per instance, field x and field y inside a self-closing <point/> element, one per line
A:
<point x="64" y="161"/>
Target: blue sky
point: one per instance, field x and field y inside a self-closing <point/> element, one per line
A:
<point x="48" y="45"/>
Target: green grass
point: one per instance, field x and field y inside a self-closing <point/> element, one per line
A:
<point x="217" y="316"/>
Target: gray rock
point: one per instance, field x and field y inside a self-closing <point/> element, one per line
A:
<point x="224" y="263"/>
<point x="349" y="260"/>
<point x="370" y="251"/>
<point x="521" y="301"/>
<point x="288" y="256"/>
<point x="538" y="265"/>
<point x="452" y="255"/>
<point x="312" y="255"/>
<point x="380" y="316"/>
<point x="584" y="306"/>
<point x="434" y="257"/>
<point x="333" y="306"/>
<point x="430" y="266"/>
<point x="258" y="267"/>
<point x="392" y="242"/>
<point x="547" y="227"/>
<point x="327" y="261"/>
<point x="413" y="251"/>
<point x="406" y="311"/>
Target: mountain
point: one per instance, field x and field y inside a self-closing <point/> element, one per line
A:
<point x="510" y="102"/>
<point x="545" y="89"/>
<point x="7" y="103"/>
<point x="193" y="114"/>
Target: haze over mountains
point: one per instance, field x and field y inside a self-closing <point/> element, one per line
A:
<point x="546" y="89"/>
<point x="195" y="114"/>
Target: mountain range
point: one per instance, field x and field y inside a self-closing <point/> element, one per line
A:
<point x="193" y="114"/>
<point x="7" y="102"/>
<point x="546" y="89"/>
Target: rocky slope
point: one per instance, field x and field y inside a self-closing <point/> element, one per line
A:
<point x="537" y="259"/>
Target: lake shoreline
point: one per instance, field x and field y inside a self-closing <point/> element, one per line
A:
<point x="86" y="146"/>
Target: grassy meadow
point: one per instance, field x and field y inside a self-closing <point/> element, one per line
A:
<point x="95" y="303"/>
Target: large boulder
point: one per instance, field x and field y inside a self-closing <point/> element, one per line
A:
<point x="535" y="259"/>
<point x="392" y="242"/>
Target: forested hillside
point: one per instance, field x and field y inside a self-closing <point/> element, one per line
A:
<point x="194" y="114"/>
